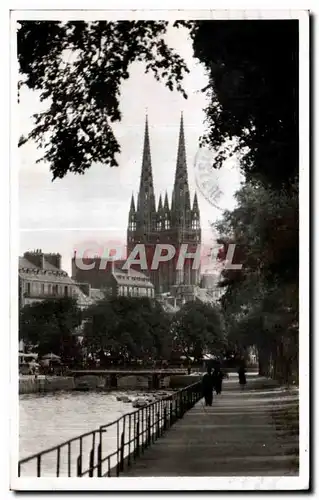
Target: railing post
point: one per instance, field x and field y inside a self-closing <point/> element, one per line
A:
<point x="165" y="417"/>
<point x="69" y="459"/>
<point x="158" y="425"/>
<point x="122" y="453"/>
<point x="153" y="423"/>
<point x="118" y="448"/>
<point x="138" y="438"/>
<point x="162" y="419"/>
<point x="142" y="431"/>
<point x="39" y="466"/>
<point x="58" y="462"/>
<point x="149" y="429"/>
<point x="99" y="460"/>
<point x="91" y="463"/>
<point x="129" y="441"/>
<point x="79" y="466"/>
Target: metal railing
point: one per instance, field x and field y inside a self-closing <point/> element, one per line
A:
<point x="129" y="436"/>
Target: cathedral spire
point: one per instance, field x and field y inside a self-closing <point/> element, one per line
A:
<point x="166" y="206"/>
<point x="195" y="204"/>
<point x="160" y="204"/>
<point x="146" y="198"/>
<point x="181" y="197"/>
<point x="132" y="207"/>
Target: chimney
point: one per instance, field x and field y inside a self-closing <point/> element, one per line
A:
<point x="36" y="258"/>
<point x="54" y="259"/>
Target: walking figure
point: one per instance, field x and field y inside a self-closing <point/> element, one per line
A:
<point x="242" y="376"/>
<point x="208" y="386"/>
<point x="218" y="380"/>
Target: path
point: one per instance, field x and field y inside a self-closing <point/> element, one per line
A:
<point x="242" y="434"/>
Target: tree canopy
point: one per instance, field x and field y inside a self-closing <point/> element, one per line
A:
<point x="78" y="68"/>
<point x="198" y="328"/>
<point x="50" y="325"/>
<point x="253" y="69"/>
<point x="261" y="299"/>
<point x="127" y="328"/>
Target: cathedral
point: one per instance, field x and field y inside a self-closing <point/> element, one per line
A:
<point x="175" y="223"/>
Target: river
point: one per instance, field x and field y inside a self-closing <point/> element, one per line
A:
<point x="47" y="420"/>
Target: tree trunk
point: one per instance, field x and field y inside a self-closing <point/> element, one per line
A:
<point x="264" y="357"/>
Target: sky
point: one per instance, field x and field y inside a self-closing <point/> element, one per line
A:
<point x="92" y="210"/>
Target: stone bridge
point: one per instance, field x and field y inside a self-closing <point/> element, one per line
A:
<point x="129" y="379"/>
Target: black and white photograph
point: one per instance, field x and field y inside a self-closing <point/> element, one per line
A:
<point x="160" y="257"/>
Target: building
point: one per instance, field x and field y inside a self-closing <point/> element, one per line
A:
<point x="111" y="279"/>
<point x="174" y="223"/>
<point x="41" y="278"/>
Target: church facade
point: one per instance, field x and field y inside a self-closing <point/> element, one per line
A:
<point x="175" y="222"/>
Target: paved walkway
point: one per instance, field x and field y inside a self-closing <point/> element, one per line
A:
<point x="244" y="433"/>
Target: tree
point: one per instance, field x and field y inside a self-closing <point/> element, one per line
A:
<point x="127" y="328"/>
<point x="78" y="68"/>
<point x="197" y="328"/>
<point x="253" y="88"/>
<point x="50" y="324"/>
<point x="265" y="229"/>
<point x="261" y="300"/>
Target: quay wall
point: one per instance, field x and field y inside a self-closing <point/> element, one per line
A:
<point x="28" y="384"/>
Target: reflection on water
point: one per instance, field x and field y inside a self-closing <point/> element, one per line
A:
<point x="49" y="419"/>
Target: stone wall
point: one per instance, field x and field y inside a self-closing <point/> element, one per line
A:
<point x="133" y="382"/>
<point x="92" y="381"/>
<point x="30" y="384"/>
<point x="165" y="382"/>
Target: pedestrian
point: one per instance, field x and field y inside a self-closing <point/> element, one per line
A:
<point x="208" y="386"/>
<point x="242" y="376"/>
<point x="218" y="380"/>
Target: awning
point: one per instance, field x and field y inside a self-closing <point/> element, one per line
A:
<point x="29" y="355"/>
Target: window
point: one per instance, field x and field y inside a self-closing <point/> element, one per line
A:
<point x="42" y="288"/>
<point x="66" y="293"/>
<point x="195" y="224"/>
<point x="167" y="224"/>
<point x="132" y="226"/>
<point x="159" y="226"/>
<point x="29" y="288"/>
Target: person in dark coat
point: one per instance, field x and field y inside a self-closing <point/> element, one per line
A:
<point x="208" y="386"/>
<point x="218" y="380"/>
<point x="242" y="375"/>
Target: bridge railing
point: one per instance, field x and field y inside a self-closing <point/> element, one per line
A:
<point x="110" y="449"/>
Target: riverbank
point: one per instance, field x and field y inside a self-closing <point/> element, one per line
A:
<point x="29" y="384"/>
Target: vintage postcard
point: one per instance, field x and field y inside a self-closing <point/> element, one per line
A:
<point x="159" y="162"/>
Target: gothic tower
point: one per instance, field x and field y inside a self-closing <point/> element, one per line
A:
<point x="177" y="225"/>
